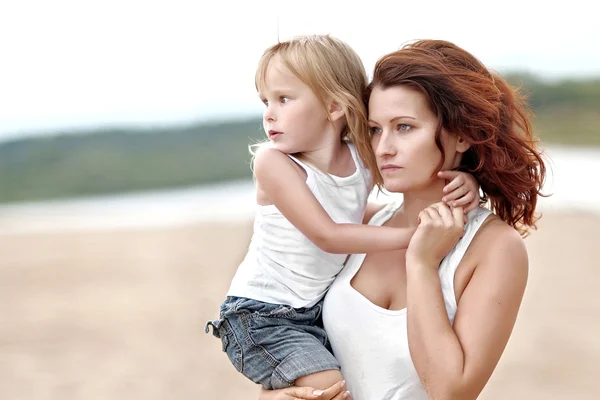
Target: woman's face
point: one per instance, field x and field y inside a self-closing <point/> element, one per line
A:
<point x="402" y="131"/>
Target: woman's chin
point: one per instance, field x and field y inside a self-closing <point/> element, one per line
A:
<point x="394" y="187"/>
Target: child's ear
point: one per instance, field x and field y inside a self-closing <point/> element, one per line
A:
<point x="462" y="145"/>
<point x="336" y="111"/>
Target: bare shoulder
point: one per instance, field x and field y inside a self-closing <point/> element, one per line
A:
<point x="270" y="162"/>
<point x="498" y="245"/>
<point x="275" y="171"/>
<point x="266" y="157"/>
<point x="496" y="265"/>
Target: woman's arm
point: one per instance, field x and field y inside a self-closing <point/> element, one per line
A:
<point x="455" y="362"/>
<point x="286" y="189"/>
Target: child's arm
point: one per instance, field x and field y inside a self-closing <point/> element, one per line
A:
<point x="278" y="178"/>
<point x="461" y="191"/>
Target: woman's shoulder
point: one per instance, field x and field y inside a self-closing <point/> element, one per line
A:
<point x="496" y="240"/>
<point x="497" y="229"/>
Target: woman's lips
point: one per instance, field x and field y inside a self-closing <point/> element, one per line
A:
<point x="389" y="168"/>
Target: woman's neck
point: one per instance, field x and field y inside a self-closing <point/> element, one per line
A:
<point x="415" y="201"/>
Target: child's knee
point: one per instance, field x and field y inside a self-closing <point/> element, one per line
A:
<point x="320" y="380"/>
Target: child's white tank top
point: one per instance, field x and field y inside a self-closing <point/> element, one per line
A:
<point x="282" y="266"/>
<point x="370" y="342"/>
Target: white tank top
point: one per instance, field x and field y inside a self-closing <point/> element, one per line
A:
<point x="370" y="342"/>
<point x="282" y="265"/>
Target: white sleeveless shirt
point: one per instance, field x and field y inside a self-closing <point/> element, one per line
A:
<point x="370" y="342"/>
<point x="282" y="265"/>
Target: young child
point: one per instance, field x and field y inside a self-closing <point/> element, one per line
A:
<point x="312" y="190"/>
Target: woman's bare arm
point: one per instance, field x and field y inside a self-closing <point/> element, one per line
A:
<point x="455" y="362"/>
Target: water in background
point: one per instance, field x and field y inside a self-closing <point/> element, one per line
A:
<point x="572" y="179"/>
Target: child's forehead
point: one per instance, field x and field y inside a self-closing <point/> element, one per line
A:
<point x="278" y="69"/>
<point x="277" y="74"/>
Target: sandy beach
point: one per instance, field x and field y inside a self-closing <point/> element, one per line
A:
<point x="120" y="315"/>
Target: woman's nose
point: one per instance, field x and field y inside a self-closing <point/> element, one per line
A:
<point x="384" y="145"/>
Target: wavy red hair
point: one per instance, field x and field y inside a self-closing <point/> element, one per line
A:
<point x="481" y="107"/>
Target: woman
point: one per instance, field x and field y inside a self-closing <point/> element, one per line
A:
<point x="433" y="321"/>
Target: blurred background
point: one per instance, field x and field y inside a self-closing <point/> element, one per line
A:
<point x="126" y="196"/>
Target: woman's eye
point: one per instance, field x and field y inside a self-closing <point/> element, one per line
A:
<point x="374" y="130"/>
<point x="403" y="127"/>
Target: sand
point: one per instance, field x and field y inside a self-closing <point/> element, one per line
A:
<point x="120" y="315"/>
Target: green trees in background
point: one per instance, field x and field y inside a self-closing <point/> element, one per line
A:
<point x="122" y="160"/>
<point x="567" y="111"/>
<point x="112" y="161"/>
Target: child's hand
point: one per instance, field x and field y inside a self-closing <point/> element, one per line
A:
<point x="462" y="191"/>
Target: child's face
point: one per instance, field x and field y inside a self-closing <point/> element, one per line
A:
<point x="294" y="119"/>
<point x="402" y="130"/>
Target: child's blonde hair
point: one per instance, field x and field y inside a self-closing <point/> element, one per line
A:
<point x="333" y="71"/>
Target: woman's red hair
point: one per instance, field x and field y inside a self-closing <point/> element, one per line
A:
<point x="483" y="109"/>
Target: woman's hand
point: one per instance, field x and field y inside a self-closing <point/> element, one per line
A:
<point x="335" y="392"/>
<point x="461" y="191"/>
<point x="439" y="229"/>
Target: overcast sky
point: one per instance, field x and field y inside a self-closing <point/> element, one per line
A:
<point x="88" y="63"/>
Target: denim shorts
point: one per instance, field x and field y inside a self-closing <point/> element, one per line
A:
<point x="273" y="344"/>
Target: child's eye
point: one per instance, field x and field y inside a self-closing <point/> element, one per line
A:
<point x="265" y="102"/>
<point x="404" y="127"/>
<point x="284" y="99"/>
<point x="374" y="130"/>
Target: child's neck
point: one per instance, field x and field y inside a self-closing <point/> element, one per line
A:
<point x="333" y="157"/>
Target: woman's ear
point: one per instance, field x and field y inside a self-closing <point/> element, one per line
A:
<point x="462" y="145"/>
<point x="336" y="111"/>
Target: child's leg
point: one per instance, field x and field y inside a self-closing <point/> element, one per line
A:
<point x="274" y="345"/>
<point x="320" y="380"/>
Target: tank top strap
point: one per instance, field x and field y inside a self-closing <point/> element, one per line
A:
<point x="475" y="219"/>
<point x="451" y="262"/>
<point x="355" y="157"/>
<point x="310" y="172"/>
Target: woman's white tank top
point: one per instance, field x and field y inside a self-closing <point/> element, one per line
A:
<point x="371" y="342"/>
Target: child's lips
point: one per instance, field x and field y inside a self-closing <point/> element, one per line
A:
<point x="273" y="133"/>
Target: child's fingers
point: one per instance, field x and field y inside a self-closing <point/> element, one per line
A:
<point x="473" y="204"/>
<point x="463" y="201"/>
<point x="455" y="194"/>
<point x="454" y="184"/>
<point x="448" y="175"/>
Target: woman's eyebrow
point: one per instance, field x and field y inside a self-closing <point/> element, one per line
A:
<point x="394" y="119"/>
<point x="401" y="117"/>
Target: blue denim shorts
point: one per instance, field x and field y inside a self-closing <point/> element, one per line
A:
<point x="273" y="344"/>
